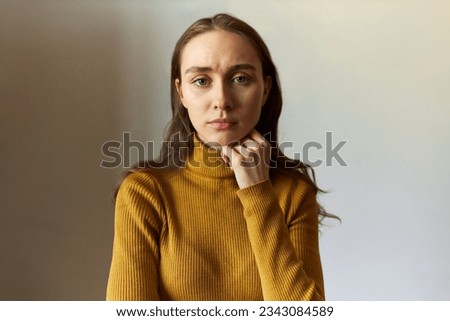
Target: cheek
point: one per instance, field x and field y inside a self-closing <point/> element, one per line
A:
<point x="190" y="96"/>
<point x="250" y="116"/>
<point x="185" y="97"/>
<point x="255" y="113"/>
<point x="253" y="103"/>
<point x="194" y="115"/>
<point x="254" y="116"/>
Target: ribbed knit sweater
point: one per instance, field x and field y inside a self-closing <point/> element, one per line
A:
<point x="192" y="234"/>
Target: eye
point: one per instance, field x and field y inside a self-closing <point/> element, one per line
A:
<point x="201" y="82"/>
<point x="241" y="79"/>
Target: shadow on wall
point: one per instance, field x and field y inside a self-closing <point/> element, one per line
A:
<point x="60" y="96"/>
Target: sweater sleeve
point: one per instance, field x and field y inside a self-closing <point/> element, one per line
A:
<point x="137" y="226"/>
<point x="286" y="253"/>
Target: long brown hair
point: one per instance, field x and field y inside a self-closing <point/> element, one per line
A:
<point x="179" y="132"/>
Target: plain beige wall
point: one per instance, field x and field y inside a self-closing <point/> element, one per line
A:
<point x="60" y="95"/>
<point x="75" y="74"/>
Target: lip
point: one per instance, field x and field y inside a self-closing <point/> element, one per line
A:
<point x="221" y="123"/>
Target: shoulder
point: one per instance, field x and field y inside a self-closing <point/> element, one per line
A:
<point x="146" y="178"/>
<point x="293" y="181"/>
<point x="143" y="186"/>
<point x="140" y="200"/>
<point x="296" y="194"/>
<point x="141" y="196"/>
<point x="138" y="179"/>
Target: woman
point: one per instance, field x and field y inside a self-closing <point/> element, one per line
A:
<point x="223" y="214"/>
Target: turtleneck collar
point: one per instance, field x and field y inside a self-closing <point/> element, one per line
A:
<point x="207" y="161"/>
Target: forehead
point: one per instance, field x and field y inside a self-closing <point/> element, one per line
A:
<point x="218" y="48"/>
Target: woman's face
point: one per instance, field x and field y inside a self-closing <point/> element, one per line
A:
<point x="222" y="86"/>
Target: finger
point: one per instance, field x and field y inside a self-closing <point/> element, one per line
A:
<point x="225" y="159"/>
<point x="250" y="143"/>
<point x="245" y="156"/>
<point x="264" y="149"/>
<point x="257" y="137"/>
<point x="254" y="140"/>
<point x="255" y="146"/>
<point x="259" y="143"/>
<point x="244" y="151"/>
<point x="235" y="154"/>
<point x="226" y="154"/>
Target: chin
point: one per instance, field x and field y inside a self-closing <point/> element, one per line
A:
<point x="221" y="140"/>
<point x="233" y="139"/>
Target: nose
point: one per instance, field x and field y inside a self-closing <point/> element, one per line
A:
<point x="222" y="97"/>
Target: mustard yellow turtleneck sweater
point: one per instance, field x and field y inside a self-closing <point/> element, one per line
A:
<point x="192" y="234"/>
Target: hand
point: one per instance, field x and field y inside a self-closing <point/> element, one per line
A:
<point x="249" y="160"/>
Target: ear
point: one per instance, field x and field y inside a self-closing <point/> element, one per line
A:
<point x="267" y="87"/>
<point x="179" y="91"/>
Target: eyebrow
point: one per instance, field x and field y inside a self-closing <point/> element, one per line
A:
<point x="199" y="69"/>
